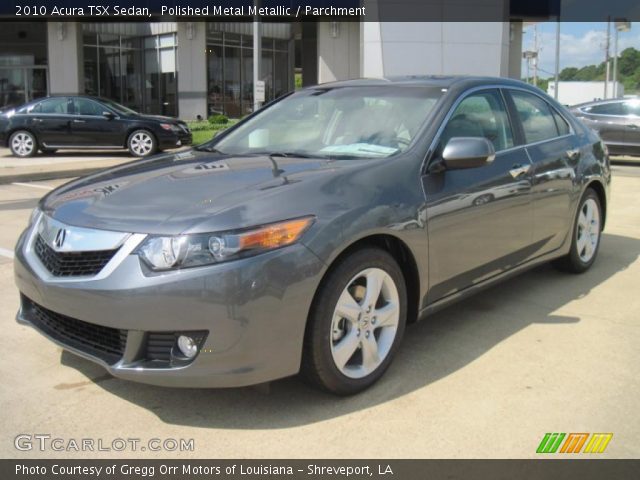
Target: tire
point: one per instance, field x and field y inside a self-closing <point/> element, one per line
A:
<point x="484" y="199"/>
<point x="23" y="144"/>
<point x="348" y="351"/>
<point x="142" y="143"/>
<point x="587" y="230"/>
<point x="49" y="151"/>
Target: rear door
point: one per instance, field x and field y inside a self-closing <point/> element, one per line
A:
<point x="90" y="127"/>
<point x="50" y="121"/>
<point x="479" y="219"/>
<point x="554" y="152"/>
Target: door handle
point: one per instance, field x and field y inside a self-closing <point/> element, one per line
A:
<point x="39" y="120"/>
<point x="518" y="170"/>
<point x="78" y="121"/>
<point x="633" y="126"/>
<point x="573" y="153"/>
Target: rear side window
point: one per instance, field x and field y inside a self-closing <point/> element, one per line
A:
<point x="632" y="107"/>
<point x="52" y="105"/>
<point x="536" y="117"/>
<point x="615" y="108"/>
<point x="481" y="114"/>
<point x="561" y="123"/>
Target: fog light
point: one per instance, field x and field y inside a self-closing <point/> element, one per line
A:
<point x="188" y="346"/>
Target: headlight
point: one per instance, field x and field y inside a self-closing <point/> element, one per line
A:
<point x="167" y="253"/>
<point x="170" y="127"/>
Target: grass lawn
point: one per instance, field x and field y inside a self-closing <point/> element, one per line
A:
<point x="204" y="131"/>
<point x="201" y="136"/>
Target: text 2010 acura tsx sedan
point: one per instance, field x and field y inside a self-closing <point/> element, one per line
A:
<point x="307" y="236"/>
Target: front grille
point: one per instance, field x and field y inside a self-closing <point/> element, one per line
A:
<point x="102" y="342"/>
<point x="71" y="264"/>
<point x="159" y="345"/>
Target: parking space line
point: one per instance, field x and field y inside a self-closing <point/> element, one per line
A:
<point x="6" y="253"/>
<point x="43" y="187"/>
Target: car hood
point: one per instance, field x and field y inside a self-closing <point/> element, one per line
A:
<point x="191" y="191"/>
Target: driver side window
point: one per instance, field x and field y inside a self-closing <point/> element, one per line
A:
<point x="481" y="114"/>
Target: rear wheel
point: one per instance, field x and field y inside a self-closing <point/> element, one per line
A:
<point x="356" y="324"/>
<point x="23" y="144"/>
<point x="142" y="143"/>
<point x="586" y="235"/>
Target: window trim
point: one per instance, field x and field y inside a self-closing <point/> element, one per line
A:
<point x="105" y="107"/>
<point x="524" y="139"/>
<point x="608" y="102"/>
<point x="466" y="93"/>
<point x="31" y="112"/>
<point x="502" y="88"/>
<point x="551" y="110"/>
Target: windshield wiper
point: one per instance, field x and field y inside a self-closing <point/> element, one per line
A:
<point x="202" y="148"/>
<point x="289" y="154"/>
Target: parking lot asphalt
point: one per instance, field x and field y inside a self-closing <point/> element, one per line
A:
<point x="545" y="352"/>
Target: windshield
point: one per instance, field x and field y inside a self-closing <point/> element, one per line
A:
<point x="117" y="107"/>
<point x="345" y="122"/>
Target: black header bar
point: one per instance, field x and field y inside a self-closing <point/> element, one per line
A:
<point x="320" y="10"/>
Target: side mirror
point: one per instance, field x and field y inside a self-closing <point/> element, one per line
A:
<point x="108" y="115"/>
<point x="467" y="152"/>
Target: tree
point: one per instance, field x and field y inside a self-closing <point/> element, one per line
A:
<point x="590" y="72"/>
<point x="629" y="62"/>
<point x="628" y="71"/>
<point x="567" y="74"/>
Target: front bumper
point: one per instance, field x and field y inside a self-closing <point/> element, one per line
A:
<point x="253" y="311"/>
<point x="172" y="140"/>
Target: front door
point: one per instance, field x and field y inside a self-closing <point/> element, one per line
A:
<point x="478" y="219"/>
<point x="89" y="126"/>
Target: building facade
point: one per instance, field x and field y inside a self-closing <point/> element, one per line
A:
<point x="195" y="69"/>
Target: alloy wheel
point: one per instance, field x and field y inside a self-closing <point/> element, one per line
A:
<point x="588" y="234"/>
<point x="141" y="143"/>
<point x="365" y="323"/>
<point x="22" y="144"/>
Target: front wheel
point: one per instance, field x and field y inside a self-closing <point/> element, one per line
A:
<point x="587" y="230"/>
<point x="356" y="324"/>
<point x="142" y="143"/>
<point x="23" y="144"/>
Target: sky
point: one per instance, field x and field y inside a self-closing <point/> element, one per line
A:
<point x="581" y="44"/>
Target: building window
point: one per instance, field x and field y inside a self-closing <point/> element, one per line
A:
<point x="138" y="72"/>
<point x="23" y="62"/>
<point x="230" y="66"/>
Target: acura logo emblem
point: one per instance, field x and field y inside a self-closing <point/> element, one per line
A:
<point x="60" y="236"/>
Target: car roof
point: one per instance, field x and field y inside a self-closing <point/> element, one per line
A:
<point x="435" y="81"/>
<point x="605" y="101"/>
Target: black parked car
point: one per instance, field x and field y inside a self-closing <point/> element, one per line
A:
<point x="617" y="121"/>
<point x="82" y="122"/>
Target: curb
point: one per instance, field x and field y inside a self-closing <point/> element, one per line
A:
<point x="55" y="175"/>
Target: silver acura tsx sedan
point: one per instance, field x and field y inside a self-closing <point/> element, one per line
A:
<point x="307" y="236"/>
